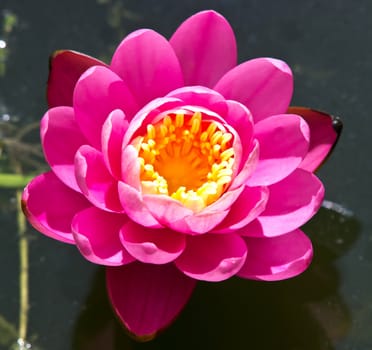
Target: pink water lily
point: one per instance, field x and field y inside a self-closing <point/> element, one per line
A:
<point x="174" y="164"/>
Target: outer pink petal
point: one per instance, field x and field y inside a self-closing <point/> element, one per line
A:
<point x="154" y="246"/>
<point x="146" y="297"/>
<point x="212" y="257"/>
<point x="135" y="207"/>
<point x="66" y="67"/>
<point x="324" y="132"/>
<point x="50" y="206"/>
<point x="147" y="63"/>
<point x="284" y="142"/>
<point x="292" y="202"/>
<point x="264" y="85"/>
<point x="205" y="46"/>
<point x="98" y="92"/>
<point x="97" y="236"/>
<point x="113" y="131"/>
<point x="57" y="126"/>
<point x="95" y="181"/>
<point x="249" y="205"/>
<point x="277" y="258"/>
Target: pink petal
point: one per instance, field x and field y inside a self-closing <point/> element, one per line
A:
<point x="154" y="246"/>
<point x="134" y="206"/>
<point x="201" y="96"/>
<point x="65" y="69"/>
<point x="240" y="118"/>
<point x="97" y="236"/>
<point x="284" y="142"/>
<point x="202" y="222"/>
<point x="146" y="297"/>
<point x="292" y="202"/>
<point x="324" y="132"/>
<point x="98" y="92"/>
<point x="131" y="167"/>
<point x="248" y="167"/>
<point x="205" y="45"/>
<point x="113" y="131"/>
<point x="147" y="63"/>
<point x="95" y="181"/>
<point x="50" y="206"/>
<point x="264" y="85"/>
<point x="57" y="126"/>
<point x="248" y="206"/>
<point x="277" y="258"/>
<point x="212" y="257"/>
<point x="167" y="211"/>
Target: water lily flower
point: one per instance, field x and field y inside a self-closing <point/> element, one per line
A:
<point x="173" y="164"/>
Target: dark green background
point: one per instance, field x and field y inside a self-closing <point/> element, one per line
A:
<point x="328" y="44"/>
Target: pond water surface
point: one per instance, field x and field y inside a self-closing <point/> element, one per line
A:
<point x="329" y="47"/>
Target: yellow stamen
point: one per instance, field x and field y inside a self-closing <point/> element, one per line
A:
<point x="150" y="131"/>
<point x="179" y="120"/>
<point x="186" y="158"/>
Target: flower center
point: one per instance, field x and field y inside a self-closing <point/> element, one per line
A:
<point x="186" y="158"/>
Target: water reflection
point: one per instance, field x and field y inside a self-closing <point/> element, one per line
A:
<point x="306" y="312"/>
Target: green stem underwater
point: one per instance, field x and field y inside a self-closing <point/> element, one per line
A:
<point x="23" y="271"/>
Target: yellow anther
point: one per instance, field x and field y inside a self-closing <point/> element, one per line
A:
<point x="211" y="129"/>
<point x="210" y="159"/>
<point x="149" y="168"/>
<point x="151" y="143"/>
<point x="163" y="130"/>
<point x="179" y="120"/>
<point x="195" y="123"/>
<point x="225" y="155"/>
<point x="224" y="172"/>
<point x="171" y="128"/>
<point x="224" y="180"/>
<point x="151" y="131"/>
<point x="145" y="147"/>
<point x="204" y="136"/>
<point x="167" y="121"/>
<point x="226" y="138"/>
<point x="216" y="137"/>
<point x="216" y="151"/>
<point x="141" y="162"/>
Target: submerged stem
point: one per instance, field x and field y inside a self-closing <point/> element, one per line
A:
<point x="23" y="272"/>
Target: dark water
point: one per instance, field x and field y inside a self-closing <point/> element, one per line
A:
<point x="328" y="44"/>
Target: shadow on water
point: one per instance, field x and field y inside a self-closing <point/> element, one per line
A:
<point x="306" y="312"/>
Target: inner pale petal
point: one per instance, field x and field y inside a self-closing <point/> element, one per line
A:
<point x="186" y="158"/>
